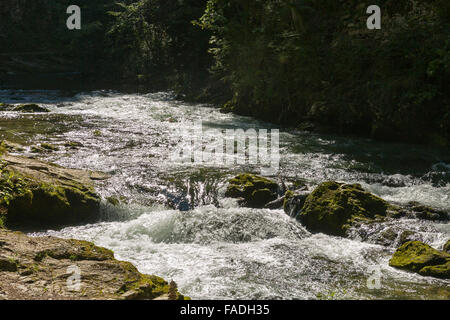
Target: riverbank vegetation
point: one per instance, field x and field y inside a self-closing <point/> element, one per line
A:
<point x="309" y="64"/>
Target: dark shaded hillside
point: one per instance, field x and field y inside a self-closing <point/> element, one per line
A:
<point x="316" y="61"/>
<point x="305" y="63"/>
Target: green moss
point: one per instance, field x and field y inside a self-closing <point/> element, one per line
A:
<point x="49" y="147"/>
<point x="447" y="247"/>
<point x="113" y="200"/>
<point x="288" y="195"/>
<point x="333" y="206"/>
<point x="257" y="191"/>
<point x="419" y="257"/>
<point x="22" y="199"/>
<point x="3" y="148"/>
<point x="227" y="107"/>
<point x="8" y="264"/>
<point x="73" y="144"/>
<point x="30" y="108"/>
<point x="441" y="271"/>
<point x="97" y="133"/>
<point x="79" y="250"/>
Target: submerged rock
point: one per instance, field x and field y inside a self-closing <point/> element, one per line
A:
<point x="255" y="191"/>
<point x="419" y="257"/>
<point x="417" y="210"/>
<point x="37" y="194"/>
<point x="47" y="268"/>
<point x="11" y="146"/>
<point x="44" y="147"/>
<point x="31" y="108"/>
<point x="73" y="144"/>
<point x="332" y="207"/>
<point x="6" y="106"/>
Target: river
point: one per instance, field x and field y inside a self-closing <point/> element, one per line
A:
<point x="174" y="220"/>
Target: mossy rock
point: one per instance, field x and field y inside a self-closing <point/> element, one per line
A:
<point x="227" y="108"/>
<point x="424" y="212"/>
<point x="447" y="246"/>
<point x="255" y="190"/>
<point x="11" y="146"/>
<point x="419" y="257"/>
<point x="113" y="201"/>
<point x="37" y="194"/>
<point x="34" y="203"/>
<point x="332" y="207"/>
<point x="73" y="144"/>
<point x="49" y="147"/>
<point x="48" y="261"/>
<point x="79" y="250"/>
<point x="6" y="107"/>
<point x="31" y="108"/>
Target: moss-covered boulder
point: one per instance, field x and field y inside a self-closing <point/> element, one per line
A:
<point x="255" y="191"/>
<point x="419" y="257"/>
<point x="73" y="144"/>
<point x="30" y="108"/>
<point x="36" y="194"/>
<point x="333" y="206"/>
<point x="6" y="106"/>
<point x="42" y="267"/>
<point x="9" y="146"/>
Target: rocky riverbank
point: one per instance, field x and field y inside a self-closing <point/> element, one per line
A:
<point x="37" y="194"/>
<point x="49" y="268"/>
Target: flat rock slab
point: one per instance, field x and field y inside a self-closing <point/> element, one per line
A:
<point x="66" y="269"/>
<point x="50" y="172"/>
<point x="45" y="195"/>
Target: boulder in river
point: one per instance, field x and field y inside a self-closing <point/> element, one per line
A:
<point x="46" y="268"/>
<point x="37" y="194"/>
<point x="417" y="210"/>
<point x="26" y="108"/>
<point x="255" y="191"/>
<point x="11" y="146"/>
<point x="30" y="108"/>
<point x="332" y="207"/>
<point x="419" y="257"/>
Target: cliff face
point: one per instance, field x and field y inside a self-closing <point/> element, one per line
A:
<point x="59" y="269"/>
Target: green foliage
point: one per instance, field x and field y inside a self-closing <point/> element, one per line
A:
<point x="158" y="43"/>
<point x="303" y="60"/>
<point x="287" y="61"/>
<point x="39" y="27"/>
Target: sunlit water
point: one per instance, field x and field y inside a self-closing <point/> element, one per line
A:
<point x="176" y="222"/>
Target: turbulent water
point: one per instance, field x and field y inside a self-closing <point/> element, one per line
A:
<point x="174" y="221"/>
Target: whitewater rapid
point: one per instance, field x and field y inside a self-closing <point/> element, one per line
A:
<point x="210" y="246"/>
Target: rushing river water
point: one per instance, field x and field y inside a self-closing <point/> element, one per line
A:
<point x="175" y="222"/>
